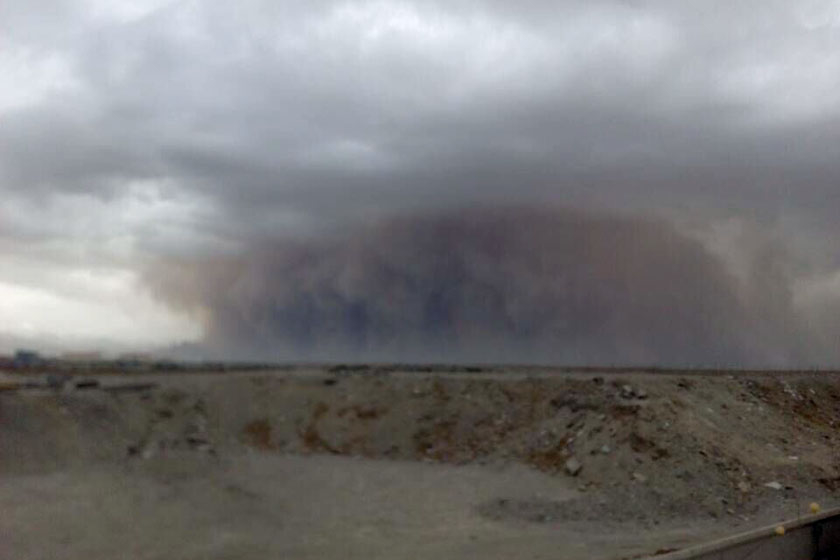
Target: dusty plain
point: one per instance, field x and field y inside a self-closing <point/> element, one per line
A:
<point x="392" y="462"/>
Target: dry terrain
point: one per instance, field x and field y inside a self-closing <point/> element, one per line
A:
<point x="390" y="462"/>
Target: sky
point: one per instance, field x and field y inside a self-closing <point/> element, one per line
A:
<point x="457" y="181"/>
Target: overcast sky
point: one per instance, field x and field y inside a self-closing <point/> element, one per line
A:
<point x="146" y="131"/>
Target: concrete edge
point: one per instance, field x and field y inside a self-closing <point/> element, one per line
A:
<point x="746" y="537"/>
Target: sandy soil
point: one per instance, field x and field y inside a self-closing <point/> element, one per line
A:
<point x="383" y="463"/>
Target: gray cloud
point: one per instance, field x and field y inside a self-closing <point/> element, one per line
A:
<point x="141" y="130"/>
<point x="291" y="104"/>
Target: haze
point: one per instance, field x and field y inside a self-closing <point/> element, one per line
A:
<point x="563" y="182"/>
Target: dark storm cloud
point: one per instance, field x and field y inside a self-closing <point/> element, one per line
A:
<point x="226" y="127"/>
<point x="283" y="105"/>
<point x="491" y="285"/>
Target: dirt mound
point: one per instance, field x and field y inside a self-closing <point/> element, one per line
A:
<point x="645" y="447"/>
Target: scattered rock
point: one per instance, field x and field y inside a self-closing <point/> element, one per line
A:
<point x="573" y="466"/>
<point x="205" y="447"/>
<point x="87" y="384"/>
<point x="550" y="423"/>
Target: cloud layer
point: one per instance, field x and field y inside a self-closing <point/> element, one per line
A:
<point x="200" y="130"/>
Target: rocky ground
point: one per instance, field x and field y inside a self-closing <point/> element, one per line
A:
<point x="387" y="462"/>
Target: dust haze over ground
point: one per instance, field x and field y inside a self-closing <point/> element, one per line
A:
<point x="211" y="131"/>
<point x="488" y="285"/>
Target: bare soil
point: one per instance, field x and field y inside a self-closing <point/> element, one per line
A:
<point x="384" y="462"/>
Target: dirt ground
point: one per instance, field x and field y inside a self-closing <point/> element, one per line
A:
<point x="384" y="462"/>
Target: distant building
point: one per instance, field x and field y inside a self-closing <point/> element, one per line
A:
<point x="27" y="358"/>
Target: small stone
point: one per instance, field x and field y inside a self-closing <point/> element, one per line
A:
<point x="605" y="449"/>
<point x="641" y="393"/>
<point x="744" y="486"/>
<point x="627" y="391"/>
<point x="730" y="511"/>
<point x="196" y="441"/>
<point x="573" y="466"/>
<point x="639" y="477"/>
<point x="774" y="485"/>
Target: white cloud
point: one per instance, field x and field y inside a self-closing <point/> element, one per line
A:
<point x="818" y="14"/>
<point x="29" y="77"/>
<point x="122" y="11"/>
<point x="71" y="271"/>
<point x="110" y="307"/>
